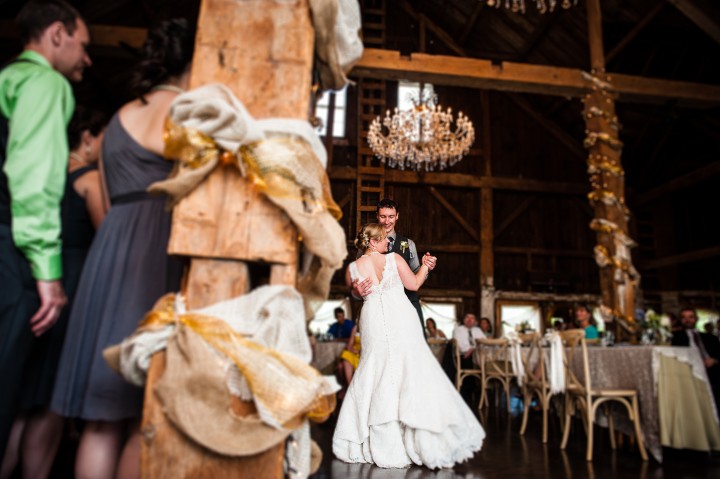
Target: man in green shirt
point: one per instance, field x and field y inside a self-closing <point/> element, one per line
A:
<point x="36" y="103"/>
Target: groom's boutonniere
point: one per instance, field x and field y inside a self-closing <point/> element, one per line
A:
<point x="403" y="246"/>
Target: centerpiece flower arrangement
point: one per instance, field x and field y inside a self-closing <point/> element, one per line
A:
<point x="522" y="327"/>
<point x="655" y="327"/>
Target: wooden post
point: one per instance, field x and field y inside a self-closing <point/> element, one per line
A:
<point x="486" y="301"/>
<point x="263" y="51"/>
<point x="618" y="285"/>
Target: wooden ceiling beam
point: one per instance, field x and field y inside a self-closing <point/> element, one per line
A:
<point x="639" y="27"/>
<point x="540" y="29"/>
<point x="100" y="35"/>
<point x="674" y="260"/>
<point x="430" y="25"/>
<point x="685" y="181"/>
<point x="522" y="77"/>
<point x="470" y="24"/>
<point x="515" y="214"/>
<point x="461" y="180"/>
<point x="703" y="13"/>
<point x="572" y="143"/>
<point x="454" y="213"/>
<point x="470" y="72"/>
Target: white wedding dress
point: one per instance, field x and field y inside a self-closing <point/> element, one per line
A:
<point x="400" y="407"/>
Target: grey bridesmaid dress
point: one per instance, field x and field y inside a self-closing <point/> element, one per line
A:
<point x="126" y="271"/>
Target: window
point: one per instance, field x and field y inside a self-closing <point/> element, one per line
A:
<point x="444" y="314"/>
<point x="706" y="319"/>
<point x="321" y="112"/>
<point x="325" y="316"/>
<point x="514" y="314"/>
<point x="410" y="91"/>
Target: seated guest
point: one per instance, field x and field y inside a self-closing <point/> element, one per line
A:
<point x="432" y="331"/>
<point x="465" y="335"/>
<point x="559" y="325"/>
<point x="707" y="345"/>
<point x="675" y="324"/>
<point x="486" y="326"/>
<point x="341" y="328"/>
<point x="350" y="357"/>
<point x="583" y="318"/>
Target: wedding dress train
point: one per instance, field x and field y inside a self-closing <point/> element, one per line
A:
<point x="400" y="407"/>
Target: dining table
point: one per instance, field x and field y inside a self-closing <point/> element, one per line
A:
<point x="677" y="408"/>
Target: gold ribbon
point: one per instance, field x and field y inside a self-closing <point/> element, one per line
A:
<point x="198" y="154"/>
<point x="282" y="384"/>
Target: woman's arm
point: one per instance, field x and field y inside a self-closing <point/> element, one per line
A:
<point x="441" y="334"/>
<point x="410" y="280"/>
<point x="88" y="187"/>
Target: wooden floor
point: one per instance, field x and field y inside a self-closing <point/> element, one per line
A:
<point x="506" y="454"/>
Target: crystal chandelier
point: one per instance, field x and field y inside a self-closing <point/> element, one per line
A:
<point x="542" y="6"/>
<point x="421" y="138"/>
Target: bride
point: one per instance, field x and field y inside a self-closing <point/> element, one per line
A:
<point x="400" y="407"/>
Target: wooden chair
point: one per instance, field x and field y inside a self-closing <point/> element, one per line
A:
<point x="460" y="373"/>
<point x="588" y="399"/>
<point x="494" y="359"/>
<point x="535" y="383"/>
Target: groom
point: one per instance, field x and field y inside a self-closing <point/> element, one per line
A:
<point x="387" y="215"/>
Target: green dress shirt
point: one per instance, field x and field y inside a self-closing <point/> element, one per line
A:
<point x="38" y="102"/>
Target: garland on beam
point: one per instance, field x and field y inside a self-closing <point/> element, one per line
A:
<point x="604" y="170"/>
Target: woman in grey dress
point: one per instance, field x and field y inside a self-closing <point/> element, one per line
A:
<point x="127" y="268"/>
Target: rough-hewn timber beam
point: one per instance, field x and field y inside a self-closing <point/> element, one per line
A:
<point x="685" y="181"/>
<point x="510" y="219"/>
<point x="460" y="180"/>
<point x="703" y="13"/>
<point x="521" y="77"/>
<point x="676" y="259"/>
<point x="100" y="35"/>
<point x="639" y="27"/>
<point x="572" y="143"/>
<point x="454" y="213"/>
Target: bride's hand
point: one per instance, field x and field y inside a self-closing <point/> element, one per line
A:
<point x="429" y="261"/>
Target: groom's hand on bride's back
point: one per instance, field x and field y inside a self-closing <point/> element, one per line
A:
<point x="361" y="288"/>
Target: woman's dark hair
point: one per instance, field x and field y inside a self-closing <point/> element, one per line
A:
<point x="167" y="52"/>
<point x="84" y="119"/>
<point x="34" y="18"/>
<point x="428" y="321"/>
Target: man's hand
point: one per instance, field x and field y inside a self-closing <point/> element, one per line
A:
<point x="52" y="300"/>
<point x="429" y="261"/>
<point x="361" y="288"/>
<point x="468" y="353"/>
<point x="710" y="362"/>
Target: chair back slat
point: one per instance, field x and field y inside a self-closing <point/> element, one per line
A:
<point x="533" y="357"/>
<point x="576" y="350"/>
<point x="494" y="357"/>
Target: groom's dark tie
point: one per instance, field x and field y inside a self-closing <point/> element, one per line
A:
<point x="390" y="244"/>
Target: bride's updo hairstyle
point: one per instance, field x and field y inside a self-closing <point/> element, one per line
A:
<point x="369" y="231"/>
<point x="167" y="53"/>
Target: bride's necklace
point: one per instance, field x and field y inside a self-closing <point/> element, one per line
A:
<point x="168" y="87"/>
<point x="372" y="253"/>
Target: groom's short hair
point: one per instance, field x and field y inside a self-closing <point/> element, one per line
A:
<point x="387" y="203"/>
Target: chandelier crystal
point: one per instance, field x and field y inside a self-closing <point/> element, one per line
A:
<point x="421" y="138"/>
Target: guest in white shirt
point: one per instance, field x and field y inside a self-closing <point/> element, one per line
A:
<point x="465" y="336"/>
